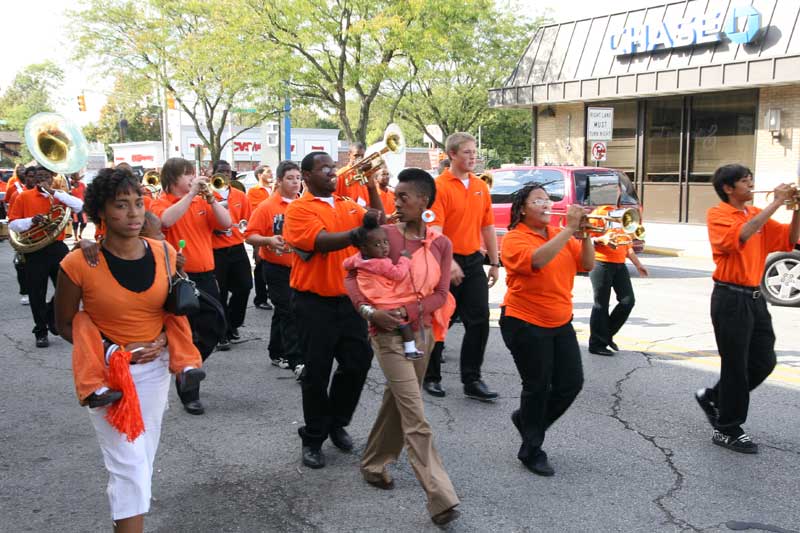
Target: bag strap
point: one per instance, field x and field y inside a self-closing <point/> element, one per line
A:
<point x="169" y="270"/>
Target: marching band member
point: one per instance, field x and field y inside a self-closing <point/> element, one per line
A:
<point x="741" y="238"/>
<point x="29" y="209"/>
<point x="610" y="272"/>
<point x="190" y="212"/>
<point x="23" y="178"/>
<point x="401" y="419"/>
<point x="463" y="212"/>
<point x="257" y="195"/>
<point x="231" y="264"/>
<point x="78" y="189"/>
<point x="355" y="191"/>
<point x="318" y="226"/>
<point x="128" y="287"/>
<point x="536" y="316"/>
<point x="264" y="233"/>
<point x="386" y="192"/>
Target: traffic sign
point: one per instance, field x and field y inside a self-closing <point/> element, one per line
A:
<point x="599" y="150"/>
<point x="600" y="123"/>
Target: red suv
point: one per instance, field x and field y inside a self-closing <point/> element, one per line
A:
<point x="586" y="186"/>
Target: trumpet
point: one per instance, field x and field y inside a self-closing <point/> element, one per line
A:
<point x="360" y="171"/>
<point x="152" y="182"/>
<point x="627" y="219"/>
<point x="206" y="192"/>
<point x="614" y="239"/>
<point x="587" y="228"/>
<point x="219" y="182"/>
<point x="793" y="203"/>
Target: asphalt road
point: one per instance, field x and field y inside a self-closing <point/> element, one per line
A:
<point x="632" y="454"/>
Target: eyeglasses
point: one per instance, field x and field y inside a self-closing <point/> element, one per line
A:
<point x="327" y="170"/>
<point x="541" y="202"/>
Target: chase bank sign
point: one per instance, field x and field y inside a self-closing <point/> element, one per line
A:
<point x="740" y="27"/>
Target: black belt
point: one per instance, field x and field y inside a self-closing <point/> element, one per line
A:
<point x="753" y="292"/>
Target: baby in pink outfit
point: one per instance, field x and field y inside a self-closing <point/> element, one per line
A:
<point x="386" y="285"/>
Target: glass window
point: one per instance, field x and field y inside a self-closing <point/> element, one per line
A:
<point x="621" y="152"/>
<point x="603" y="188"/>
<point x="662" y="144"/>
<point x="723" y="131"/>
<point x="507" y="182"/>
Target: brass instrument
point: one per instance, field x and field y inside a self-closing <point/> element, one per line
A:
<point x="236" y="184"/>
<point x="219" y="183"/>
<point x="383" y="154"/>
<point x="793" y="203"/>
<point x="487" y="178"/>
<point x="59" y="146"/>
<point x="587" y="226"/>
<point x="627" y="219"/>
<point x="242" y="225"/>
<point x="152" y="182"/>
<point x="206" y="192"/>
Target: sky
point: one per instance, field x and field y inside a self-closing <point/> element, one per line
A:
<point x="49" y="19"/>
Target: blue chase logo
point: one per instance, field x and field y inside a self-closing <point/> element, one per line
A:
<point x="740" y="27"/>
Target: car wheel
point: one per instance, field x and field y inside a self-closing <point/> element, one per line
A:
<point x="781" y="281"/>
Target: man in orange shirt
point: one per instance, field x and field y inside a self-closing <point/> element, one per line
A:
<point x="319" y="227"/>
<point x="610" y="272"/>
<point x="29" y="209"/>
<point x="355" y="191"/>
<point x="387" y="194"/>
<point x="22" y="179"/>
<point x="231" y="264"/>
<point x="463" y="212"/>
<point x="741" y="237"/>
<point x="265" y="234"/>
<point x="256" y="195"/>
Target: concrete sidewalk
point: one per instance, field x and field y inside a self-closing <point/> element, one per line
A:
<point x="677" y="240"/>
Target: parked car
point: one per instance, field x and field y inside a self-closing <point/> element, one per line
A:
<point x="248" y="179"/>
<point x="780" y="283"/>
<point x="586" y="186"/>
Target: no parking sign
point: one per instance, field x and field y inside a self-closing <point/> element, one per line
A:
<point x="599" y="150"/>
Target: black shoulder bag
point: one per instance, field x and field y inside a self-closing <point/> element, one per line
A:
<point x="182" y="296"/>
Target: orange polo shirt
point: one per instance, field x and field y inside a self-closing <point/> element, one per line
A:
<point x="239" y="208"/>
<point x="387" y="198"/>
<point x="355" y="191"/>
<point x="461" y="211"/>
<point x="737" y="263"/>
<point x="30" y="203"/>
<point x="323" y="273"/>
<point x="256" y="195"/>
<point x="12" y="192"/>
<point x="265" y="221"/>
<point x="543" y="296"/>
<point x="194" y="227"/>
<point x="607" y="254"/>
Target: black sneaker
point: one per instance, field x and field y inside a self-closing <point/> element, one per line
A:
<point x="477" y="390"/>
<point x="742" y="444"/>
<point x="703" y="397"/>
<point x="224" y="345"/>
<point x="264" y="305"/>
<point x="42" y="341"/>
<point x="234" y="334"/>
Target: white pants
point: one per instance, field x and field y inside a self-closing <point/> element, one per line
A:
<point x="130" y="464"/>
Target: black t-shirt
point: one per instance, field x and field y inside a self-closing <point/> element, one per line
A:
<point x="136" y="275"/>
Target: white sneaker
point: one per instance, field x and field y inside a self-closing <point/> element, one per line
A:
<point x="298" y="372"/>
<point x="24" y="300"/>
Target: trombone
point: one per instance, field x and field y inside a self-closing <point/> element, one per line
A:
<point x="394" y="144"/>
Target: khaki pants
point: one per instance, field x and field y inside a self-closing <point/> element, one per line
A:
<point x="401" y="420"/>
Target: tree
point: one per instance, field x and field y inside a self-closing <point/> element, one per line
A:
<point x="506" y="136"/>
<point x="449" y="89"/>
<point x="346" y="52"/>
<point x="30" y="92"/>
<point x="188" y="49"/>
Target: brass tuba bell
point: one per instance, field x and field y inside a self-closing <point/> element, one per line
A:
<point x="152" y="182"/>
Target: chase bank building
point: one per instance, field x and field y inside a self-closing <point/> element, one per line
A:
<point x="692" y="85"/>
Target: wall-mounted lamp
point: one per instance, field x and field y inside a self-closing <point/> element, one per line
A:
<point x="774" y="122"/>
<point x="548" y="111"/>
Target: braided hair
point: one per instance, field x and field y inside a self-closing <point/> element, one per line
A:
<point x="518" y="202"/>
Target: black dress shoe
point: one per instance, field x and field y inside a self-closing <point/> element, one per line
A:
<point x="613" y="346"/>
<point x="540" y="465"/>
<point x="234" y="334"/>
<point x="381" y="483"/>
<point x="434" y="388"/>
<point x="100" y="400"/>
<point x="190" y="379"/>
<point x="313" y="457"/>
<point x="224" y="345"/>
<point x="195" y="407"/>
<point x="42" y="341"/>
<point x="601" y="351"/>
<point x="341" y="439"/>
<point x="515" y="419"/>
<point x="445" y="517"/>
<point x="477" y="390"/>
<point x="264" y="305"/>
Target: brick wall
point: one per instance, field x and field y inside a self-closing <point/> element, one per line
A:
<point x="560" y="140"/>
<point x="777" y="159"/>
<point x="413" y="159"/>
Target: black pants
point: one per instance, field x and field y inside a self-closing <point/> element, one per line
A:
<point x="258" y="280"/>
<point x="607" y="276"/>
<point x="19" y="266"/>
<point x="472" y="305"/>
<point x="232" y="270"/>
<point x="204" y="334"/>
<point x="283" y="339"/>
<point x="40" y="266"/>
<point x="746" y="345"/>
<point x="549" y="363"/>
<point x="329" y="328"/>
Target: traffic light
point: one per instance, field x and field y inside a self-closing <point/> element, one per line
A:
<point x="81" y="102"/>
<point x="170" y="102"/>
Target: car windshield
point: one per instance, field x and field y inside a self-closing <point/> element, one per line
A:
<point x="601" y="187"/>
<point x="507" y="182"/>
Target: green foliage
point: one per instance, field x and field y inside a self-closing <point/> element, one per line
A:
<point x="30" y="92"/>
<point x="506" y="136"/>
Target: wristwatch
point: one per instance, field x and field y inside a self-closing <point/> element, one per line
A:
<point x="495" y="265"/>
